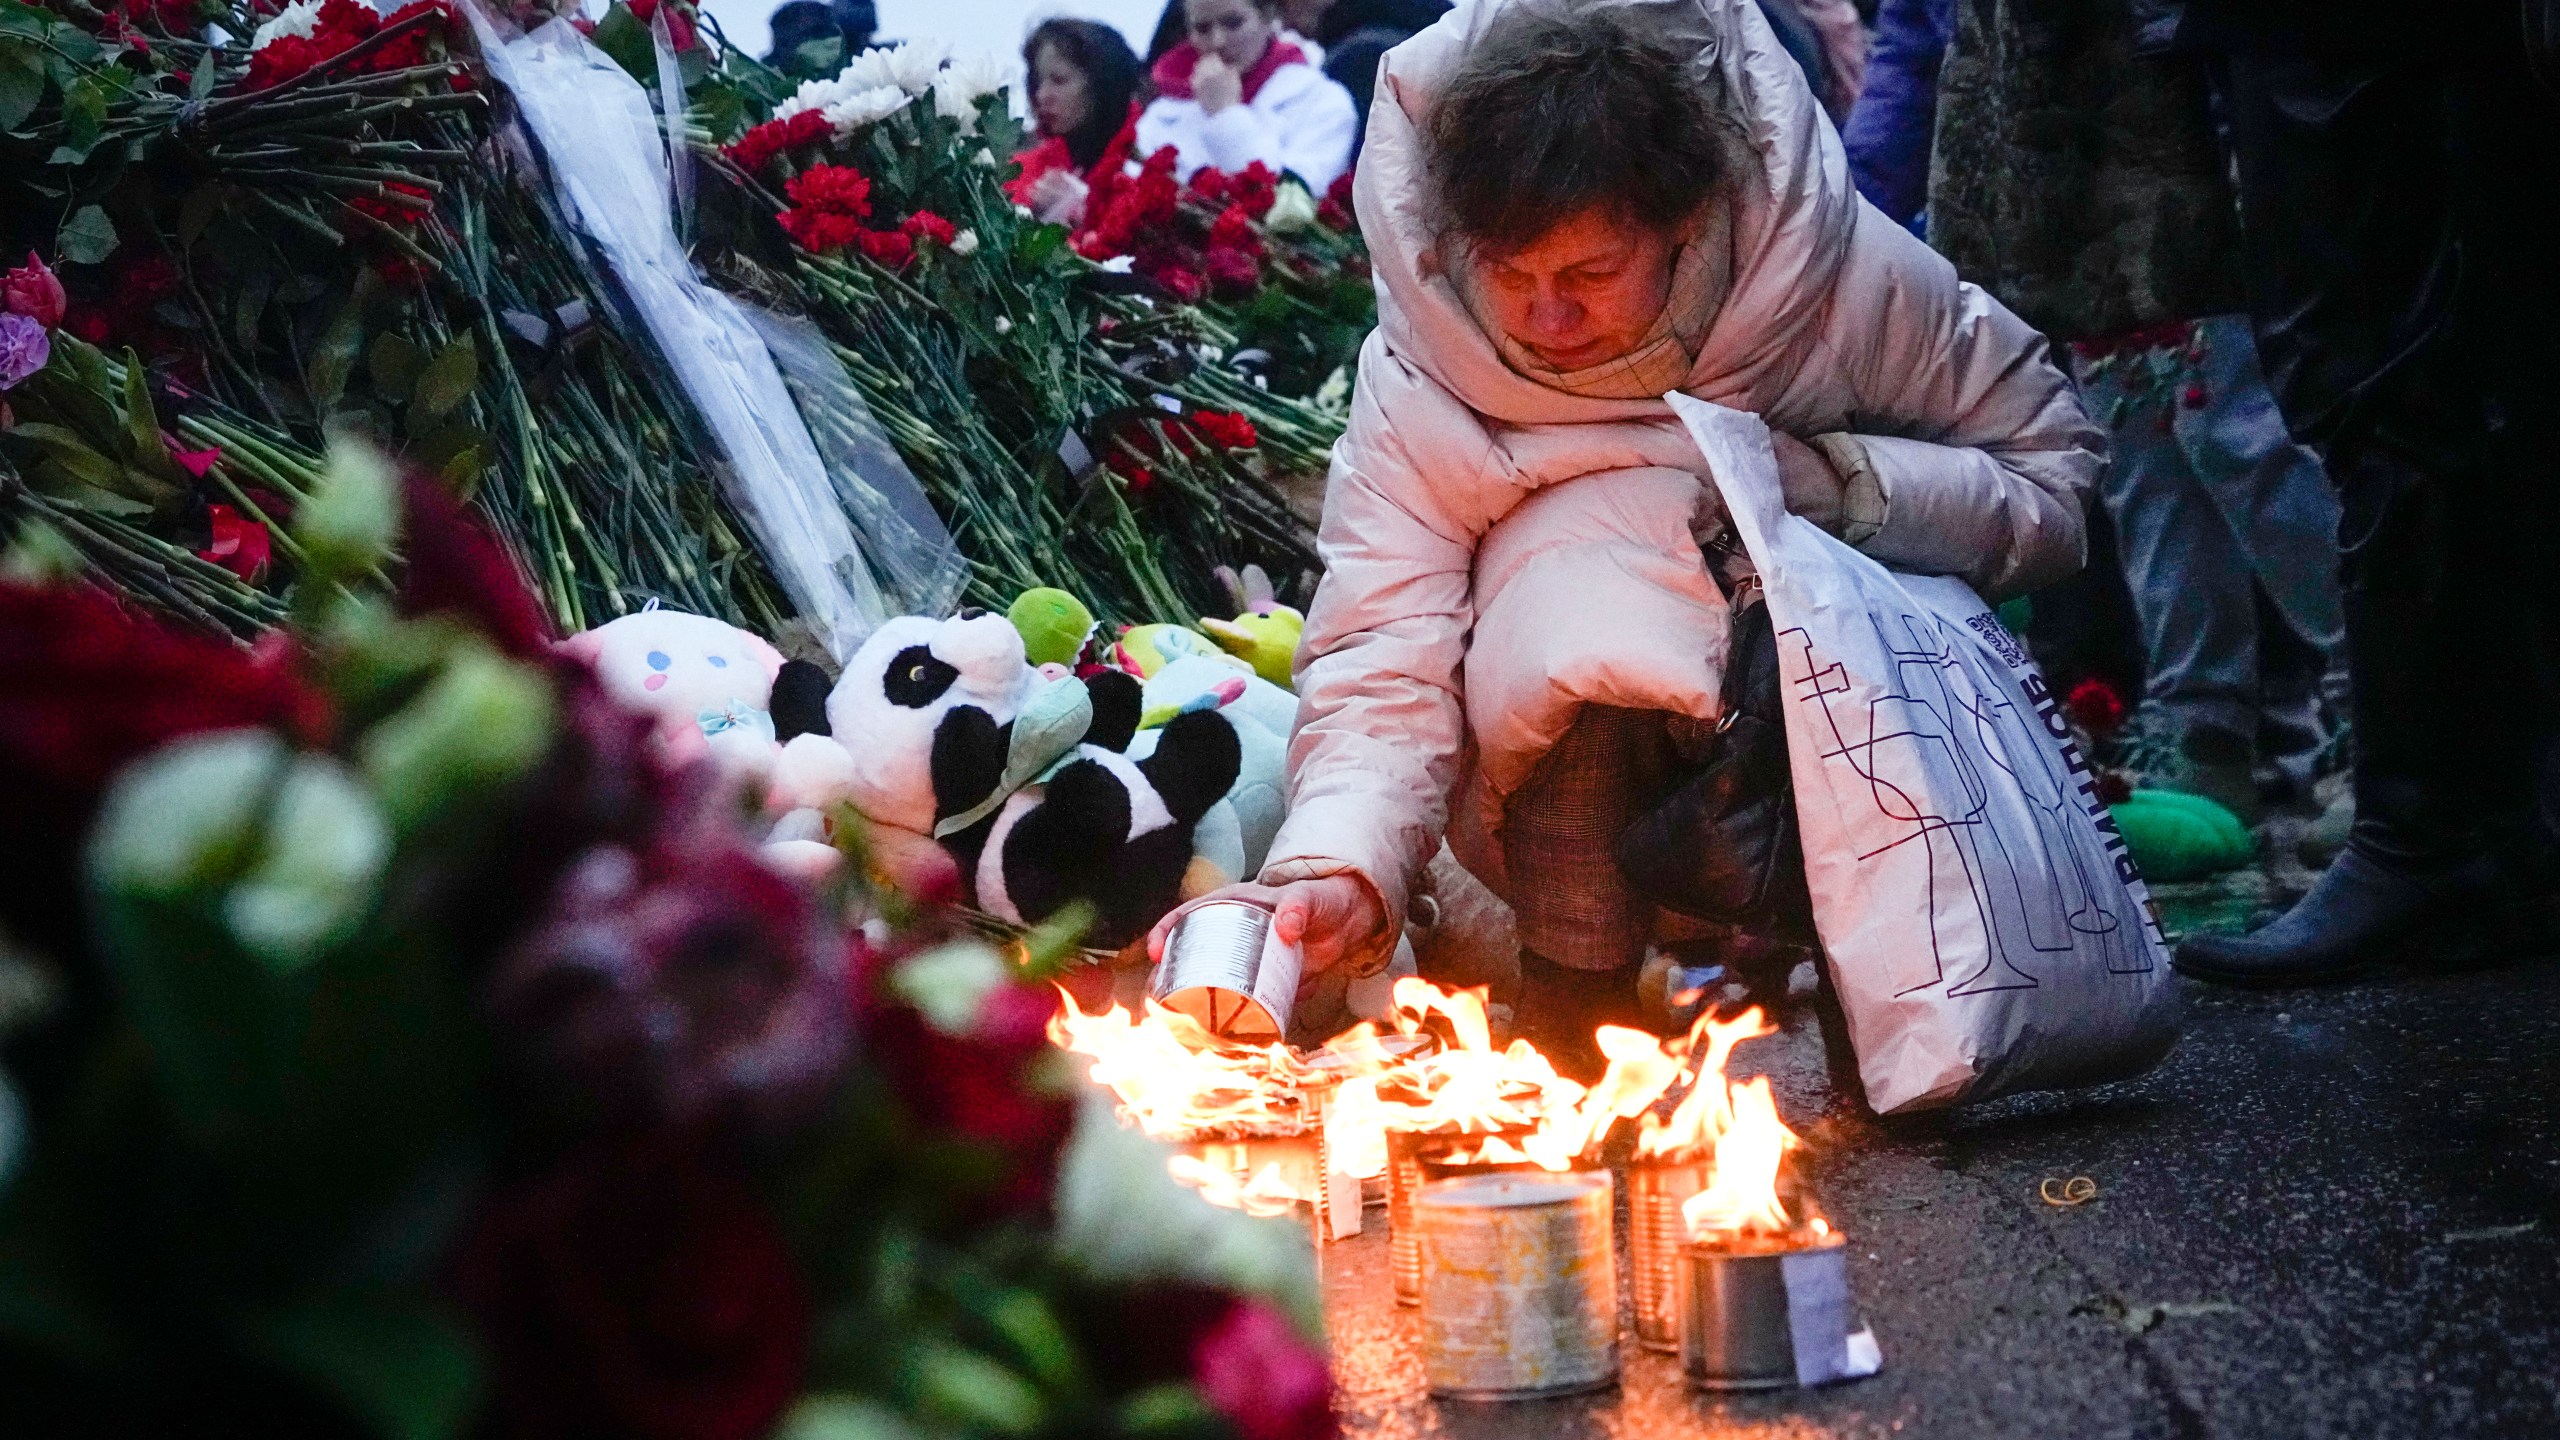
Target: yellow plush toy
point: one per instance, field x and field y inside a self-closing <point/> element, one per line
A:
<point x="1264" y="634"/>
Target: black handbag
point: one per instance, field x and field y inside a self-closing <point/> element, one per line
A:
<point x="1723" y="847"/>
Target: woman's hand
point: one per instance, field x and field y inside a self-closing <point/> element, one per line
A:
<point x="1329" y="920"/>
<point x="1058" y="197"/>
<point x="1216" y="85"/>
<point x="1813" y="489"/>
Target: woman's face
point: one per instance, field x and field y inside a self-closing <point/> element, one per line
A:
<point x="1585" y="291"/>
<point x="1235" y="31"/>
<point x="1061" y="96"/>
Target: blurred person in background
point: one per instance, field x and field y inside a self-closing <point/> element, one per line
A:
<point x="1083" y="80"/>
<point x="2393" y="166"/>
<point x="812" y="39"/>
<point x="1355" y="34"/>
<point x="2079" y="178"/>
<point x="1236" y="91"/>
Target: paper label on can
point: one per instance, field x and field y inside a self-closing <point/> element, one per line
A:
<point x="1275" y="980"/>
<point x="1818" y="1319"/>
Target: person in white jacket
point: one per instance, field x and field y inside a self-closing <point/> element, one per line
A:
<point x="1576" y="208"/>
<point x="1237" y="91"/>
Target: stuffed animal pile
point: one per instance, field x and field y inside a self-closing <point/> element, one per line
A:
<point x="1020" y="760"/>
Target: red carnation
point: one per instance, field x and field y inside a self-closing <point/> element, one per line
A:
<point x="1234" y="273"/>
<point x="1333" y="216"/>
<point x="392" y="212"/>
<point x="1227" y="429"/>
<point x="1254" y="1368"/>
<point x="820" y="232"/>
<point x="638" y="1291"/>
<point x="981" y="1087"/>
<point x="832" y="189"/>
<point x="925" y="225"/>
<point x="1256" y="189"/>
<point x="1212" y="184"/>
<point x="887" y="248"/>
<point x="1186" y="283"/>
<point x="1233" y="229"/>
<point x="452" y="565"/>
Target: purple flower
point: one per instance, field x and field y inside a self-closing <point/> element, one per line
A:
<point x="24" y="348"/>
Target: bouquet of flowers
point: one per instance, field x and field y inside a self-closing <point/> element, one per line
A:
<point x="391" y="1045"/>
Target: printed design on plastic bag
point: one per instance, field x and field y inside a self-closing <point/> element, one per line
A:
<point x="2024" y="903"/>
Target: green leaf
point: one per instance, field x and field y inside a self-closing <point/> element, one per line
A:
<point x="972" y="1391"/>
<point x="84" y="115"/>
<point x="479" y="724"/>
<point x="353" y="516"/>
<point x="333" y="356"/>
<point x="89" y="465"/>
<point x="200" y="84"/>
<point x="21" y="85"/>
<point x="408" y="1369"/>
<point x="621" y="35"/>
<point x="142" y="423"/>
<point x="88" y="236"/>
<point x="395" y="361"/>
<point x="845" y="1417"/>
<point x="445" y="382"/>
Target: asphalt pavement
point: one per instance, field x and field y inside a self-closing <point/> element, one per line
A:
<point x="2329" y="1213"/>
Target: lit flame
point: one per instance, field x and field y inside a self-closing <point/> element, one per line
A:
<point x="1176" y="1080"/>
<point x="1705" y="1111"/>
<point x="1268" y="1191"/>
<point x="1741" y="1197"/>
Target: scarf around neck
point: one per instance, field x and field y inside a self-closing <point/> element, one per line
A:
<point x="1172" y="72"/>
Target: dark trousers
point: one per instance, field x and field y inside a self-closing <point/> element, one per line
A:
<point x="2408" y="315"/>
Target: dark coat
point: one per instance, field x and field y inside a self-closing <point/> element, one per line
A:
<point x="2076" y="177"/>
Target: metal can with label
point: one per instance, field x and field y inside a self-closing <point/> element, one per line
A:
<point x="1226" y="967"/>
<point x="1656" y="1234"/>
<point x="1738" y="1320"/>
<point x="1519" y="1285"/>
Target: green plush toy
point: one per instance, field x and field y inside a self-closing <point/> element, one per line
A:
<point x="1054" y="625"/>
<point x="2177" y="836"/>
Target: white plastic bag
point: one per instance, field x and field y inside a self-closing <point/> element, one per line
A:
<point x="1986" y="928"/>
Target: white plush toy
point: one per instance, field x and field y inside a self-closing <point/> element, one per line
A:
<point x="1264" y="717"/>
<point x="707" y="683"/>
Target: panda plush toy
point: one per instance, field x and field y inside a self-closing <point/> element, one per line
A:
<point x="942" y="731"/>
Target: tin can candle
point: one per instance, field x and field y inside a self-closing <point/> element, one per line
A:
<point x="1224" y="967"/>
<point x="1765" y="1317"/>
<point x="1656" y="1234"/>
<point x="1414" y="1159"/>
<point x="1519" y="1285"/>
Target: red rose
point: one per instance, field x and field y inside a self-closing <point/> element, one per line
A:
<point x="87" y="686"/>
<point x="237" y="544"/>
<point x="33" y="290"/>
<point x="981" y="1087"/>
<point x="1254" y="1368"/>
<point x="637" y="1291"/>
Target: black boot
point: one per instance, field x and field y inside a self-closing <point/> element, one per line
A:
<point x="2361" y="911"/>
<point x="1560" y="1007"/>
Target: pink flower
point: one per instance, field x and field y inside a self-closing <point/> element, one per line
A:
<point x="33" y="290"/>
<point x="1253" y="1368"/>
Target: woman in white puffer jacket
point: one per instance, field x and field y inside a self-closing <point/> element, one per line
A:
<point x="1575" y="207"/>
<point x="1237" y="92"/>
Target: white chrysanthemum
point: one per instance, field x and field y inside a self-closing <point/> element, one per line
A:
<point x="812" y="95"/>
<point x="978" y="76"/>
<point x="1292" y="209"/>
<point x="869" y="70"/>
<point x="1120" y="264"/>
<point x="952" y="101"/>
<point x="865" y="106"/>
<point x="1004" y="324"/>
<point x="914" y="65"/>
<point x="965" y="244"/>
<point x="295" y="21"/>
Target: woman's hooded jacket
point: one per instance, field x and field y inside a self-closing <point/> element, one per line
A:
<point x="1499" y="553"/>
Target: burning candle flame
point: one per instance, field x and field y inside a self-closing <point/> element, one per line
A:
<point x="1741" y="1197"/>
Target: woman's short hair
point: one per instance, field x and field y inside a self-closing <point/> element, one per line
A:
<point x="1111" y="75"/>
<point x="1557" y="108"/>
